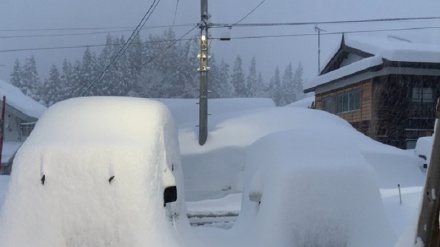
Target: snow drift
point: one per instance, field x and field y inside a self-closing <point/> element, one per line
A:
<point x="93" y="173"/>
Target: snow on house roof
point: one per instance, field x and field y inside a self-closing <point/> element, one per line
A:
<point x="344" y="71"/>
<point x="21" y="102"/>
<point x="391" y="48"/>
<point x="394" y="48"/>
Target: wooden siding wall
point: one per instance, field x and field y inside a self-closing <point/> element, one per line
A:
<point x="361" y="118"/>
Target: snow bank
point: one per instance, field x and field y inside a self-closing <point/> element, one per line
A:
<point x="315" y="190"/>
<point x="305" y="103"/>
<point x="9" y="149"/>
<point x="186" y="111"/>
<point x="4" y="181"/>
<point x="93" y="173"/>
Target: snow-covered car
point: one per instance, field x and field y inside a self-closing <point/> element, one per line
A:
<point x="423" y="150"/>
<point x="97" y="171"/>
<point x="311" y="189"/>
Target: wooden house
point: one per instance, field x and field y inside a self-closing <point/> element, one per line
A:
<point x="387" y="88"/>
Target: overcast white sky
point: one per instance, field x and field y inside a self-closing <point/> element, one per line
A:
<point x="269" y="52"/>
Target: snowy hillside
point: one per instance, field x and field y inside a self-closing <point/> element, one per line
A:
<point x="307" y="172"/>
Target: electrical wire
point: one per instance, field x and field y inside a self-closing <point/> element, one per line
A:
<point x="220" y="25"/>
<point x="175" y="13"/>
<point x="136" y="31"/>
<point x="89" y="33"/>
<point x="88" y="28"/>
<point x="252" y="11"/>
<point x="215" y="38"/>
<point x="326" y="33"/>
<point x="173" y="42"/>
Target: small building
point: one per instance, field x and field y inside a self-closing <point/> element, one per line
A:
<point x="21" y="114"/>
<point x="387" y="88"/>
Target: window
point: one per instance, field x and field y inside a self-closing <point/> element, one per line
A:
<point x="350" y="101"/>
<point x="422" y="95"/>
<point x="328" y="105"/>
<point x="26" y="128"/>
<point x="345" y="102"/>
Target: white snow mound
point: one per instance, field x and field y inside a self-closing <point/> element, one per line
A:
<point x="106" y="162"/>
<point x="304" y="189"/>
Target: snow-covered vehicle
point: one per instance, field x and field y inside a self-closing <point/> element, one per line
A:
<point x="311" y="189"/>
<point x="97" y="171"/>
<point x="423" y="150"/>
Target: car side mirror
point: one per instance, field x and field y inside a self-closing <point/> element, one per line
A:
<point x="169" y="195"/>
<point x="255" y="197"/>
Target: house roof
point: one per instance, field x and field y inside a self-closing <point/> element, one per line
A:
<point x="16" y="99"/>
<point x="389" y="48"/>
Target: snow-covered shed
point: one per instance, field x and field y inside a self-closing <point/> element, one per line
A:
<point x="21" y="113"/>
<point x="386" y="87"/>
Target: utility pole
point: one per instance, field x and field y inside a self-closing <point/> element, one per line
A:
<point x="428" y="225"/>
<point x="2" y="128"/>
<point x="204" y="68"/>
<point x="317" y="29"/>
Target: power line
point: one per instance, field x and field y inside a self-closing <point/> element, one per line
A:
<point x="173" y="42"/>
<point x="88" y="33"/>
<point x="175" y="12"/>
<point x="136" y="31"/>
<point x="87" y="28"/>
<point x="236" y="38"/>
<point x="328" y="33"/>
<point x="252" y="11"/>
<point x="220" y="25"/>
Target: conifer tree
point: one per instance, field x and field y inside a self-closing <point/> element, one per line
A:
<point x="16" y="75"/>
<point x="237" y="79"/>
<point x="275" y="88"/>
<point x="225" y="90"/>
<point x="287" y="85"/>
<point x="66" y="81"/>
<point x="260" y="88"/>
<point x="30" y="79"/>
<point x="251" y="80"/>
<point x="51" y="89"/>
<point x="298" y="82"/>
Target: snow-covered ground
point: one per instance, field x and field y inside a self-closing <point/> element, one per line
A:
<point x="296" y="176"/>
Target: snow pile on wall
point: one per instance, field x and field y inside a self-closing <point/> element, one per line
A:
<point x="106" y="162"/>
<point x="315" y="189"/>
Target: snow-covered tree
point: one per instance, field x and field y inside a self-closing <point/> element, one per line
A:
<point x="274" y="89"/>
<point x="87" y="72"/>
<point x="54" y="87"/>
<point x="16" y="75"/>
<point x="287" y="87"/>
<point x="251" y="80"/>
<point x="237" y="78"/>
<point x="66" y="81"/>
<point x="298" y="82"/>
<point x="260" y="88"/>
<point x="30" y="79"/>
